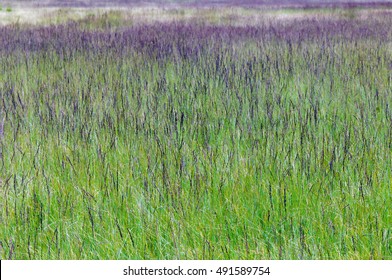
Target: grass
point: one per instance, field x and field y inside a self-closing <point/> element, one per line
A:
<point x="207" y="142"/>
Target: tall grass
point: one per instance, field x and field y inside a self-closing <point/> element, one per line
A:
<point x="192" y="141"/>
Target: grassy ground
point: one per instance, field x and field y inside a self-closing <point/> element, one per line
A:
<point x="192" y="139"/>
<point x="136" y="12"/>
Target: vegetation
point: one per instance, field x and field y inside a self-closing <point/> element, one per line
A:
<point x="184" y="140"/>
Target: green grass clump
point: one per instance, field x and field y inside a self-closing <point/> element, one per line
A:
<point x="259" y="149"/>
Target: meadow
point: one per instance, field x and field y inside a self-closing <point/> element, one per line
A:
<point x="237" y="135"/>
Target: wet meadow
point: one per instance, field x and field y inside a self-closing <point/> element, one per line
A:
<point x="198" y="139"/>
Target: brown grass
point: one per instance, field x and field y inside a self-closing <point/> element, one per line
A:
<point x="230" y="15"/>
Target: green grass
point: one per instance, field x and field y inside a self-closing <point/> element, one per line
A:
<point x="128" y="157"/>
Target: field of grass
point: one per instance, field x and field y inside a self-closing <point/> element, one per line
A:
<point x="197" y="139"/>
